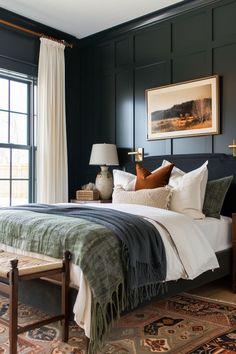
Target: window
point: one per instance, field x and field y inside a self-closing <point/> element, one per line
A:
<point x="17" y="145"/>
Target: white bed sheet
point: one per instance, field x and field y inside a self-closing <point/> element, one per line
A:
<point x="217" y="231"/>
<point x="176" y="268"/>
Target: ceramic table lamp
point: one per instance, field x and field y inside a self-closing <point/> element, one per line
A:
<point x="104" y="155"/>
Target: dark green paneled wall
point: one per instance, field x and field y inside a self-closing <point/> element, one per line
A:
<point x="106" y="77"/>
<point x="198" y="43"/>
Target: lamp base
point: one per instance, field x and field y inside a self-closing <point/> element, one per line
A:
<point x="104" y="183"/>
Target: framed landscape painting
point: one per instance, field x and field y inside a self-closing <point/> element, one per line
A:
<point x="188" y="108"/>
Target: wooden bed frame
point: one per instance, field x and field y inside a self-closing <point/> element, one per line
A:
<point x="219" y="165"/>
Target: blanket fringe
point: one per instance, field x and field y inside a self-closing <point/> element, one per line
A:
<point x="103" y="318"/>
<point x="139" y="295"/>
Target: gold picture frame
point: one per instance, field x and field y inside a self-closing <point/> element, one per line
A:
<point x="189" y="108"/>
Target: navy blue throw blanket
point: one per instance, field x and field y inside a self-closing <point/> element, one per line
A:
<point x="143" y="253"/>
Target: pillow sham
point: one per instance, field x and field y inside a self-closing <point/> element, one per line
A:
<point x="124" y="179"/>
<point x="149" y="180"/>
<point x="215" y="195"/>
<point x="157" y="197"/>
<point x="188" y="190"/>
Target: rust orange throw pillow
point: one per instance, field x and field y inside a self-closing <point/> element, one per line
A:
<point x="148" y="180"/>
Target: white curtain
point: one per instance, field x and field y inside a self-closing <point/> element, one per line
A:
<point x="52" y="174"/>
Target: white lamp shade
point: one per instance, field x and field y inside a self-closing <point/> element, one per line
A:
<point x="104" y="155"/>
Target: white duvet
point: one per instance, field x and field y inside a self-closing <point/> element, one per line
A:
<point x="188" y="252"/>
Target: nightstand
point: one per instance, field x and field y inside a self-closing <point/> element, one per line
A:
<point x="77" y="201"/>
<point x="234" y="250"/>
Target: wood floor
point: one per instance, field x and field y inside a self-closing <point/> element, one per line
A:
<point x="219" y="290"/>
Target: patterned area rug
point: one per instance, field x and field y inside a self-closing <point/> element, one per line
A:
<point x="184" y="324"/>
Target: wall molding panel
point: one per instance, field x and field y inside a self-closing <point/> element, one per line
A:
<point x="197" y="43"/>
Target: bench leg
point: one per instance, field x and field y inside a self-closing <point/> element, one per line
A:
<point x="65" y="296"/>
<point x="13" y="307"/>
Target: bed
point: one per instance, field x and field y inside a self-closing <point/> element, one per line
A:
<point x="219" y="165"/>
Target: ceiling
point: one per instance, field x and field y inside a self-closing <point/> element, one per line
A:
<point x="82" y="18"/>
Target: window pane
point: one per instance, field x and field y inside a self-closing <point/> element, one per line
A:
<point x="18" y="97"/>
<point x="4" y="163"/>
<point x="18" y="112"/>
<point x="20" y="163"/>
<point x="4" y="193"/>
<point x="20" y="192"/>
<point x="3" y="94"/>
<point x="3" y="127"/>
<point x="18" y="129"/>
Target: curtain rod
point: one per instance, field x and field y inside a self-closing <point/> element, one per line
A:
<point x="37" y="34"/>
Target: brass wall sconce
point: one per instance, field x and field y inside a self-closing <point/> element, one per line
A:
<point x="138" y="154"/>
<point x="233" y="146"/>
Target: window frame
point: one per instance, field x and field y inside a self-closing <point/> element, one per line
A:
<point x="31" y="116"/>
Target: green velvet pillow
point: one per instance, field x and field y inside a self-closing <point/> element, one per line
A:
<point x="214" y="197"/>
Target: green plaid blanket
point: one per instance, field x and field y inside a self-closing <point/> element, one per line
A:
<point x="97" y="251"/>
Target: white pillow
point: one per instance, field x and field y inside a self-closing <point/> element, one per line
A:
<point x="189" y="190"/>
<point x="157" y="197"/>
<point x="124" y="179"/>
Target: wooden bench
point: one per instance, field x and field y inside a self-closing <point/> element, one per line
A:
<point x="15" y="268"/>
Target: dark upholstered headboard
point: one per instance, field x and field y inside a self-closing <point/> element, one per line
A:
<point x="219" y="165"/>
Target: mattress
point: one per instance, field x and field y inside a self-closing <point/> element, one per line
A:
<point x="217" y="231"/>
